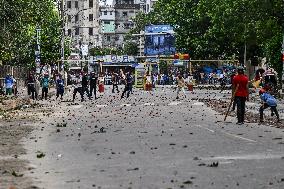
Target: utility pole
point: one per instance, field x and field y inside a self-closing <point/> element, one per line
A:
<point x="63" y="33"/>
<point x="282" y="58"/>
<point x="37" y="50"/>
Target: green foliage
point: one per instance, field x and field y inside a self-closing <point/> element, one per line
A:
<point x="98" y="51"/>
<point x="18" y="22"/>
<point x="219" y="29"/>
<point x="130" y="48"/>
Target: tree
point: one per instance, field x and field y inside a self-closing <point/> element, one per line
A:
<point x="215" y="29"/>
<point x="19" y="20"/>
<point x="130" y="48"/>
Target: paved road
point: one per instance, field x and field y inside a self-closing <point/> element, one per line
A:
<point x="152" y="141"/>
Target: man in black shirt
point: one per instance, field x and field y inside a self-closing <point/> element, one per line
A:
<point x="93" y="84"/>
<point x="85" y="83"/>
<point x="128" y="85"/>
<point x="115" y="82"/>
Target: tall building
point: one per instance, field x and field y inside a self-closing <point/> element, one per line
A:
<point x="82" y="21"/>
<point x="107" y="26"/>
<point x="125" y="11"/>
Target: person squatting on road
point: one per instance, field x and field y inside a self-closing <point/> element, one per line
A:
<point x="128" y="85"/>
<point x="180" y="86"/>
<point x="115" y="82"/>
<point x="93" y="84"/>
<point x="240" y="85"/>
<point x="78" y="87"/>
<point x="9" y="83"/>
<point x="31" y="86"/>
<point x="85" y="88"/>
<point x="59" y="87"/>
<point x="268" y="101"/>
<point x="44" y="85"/>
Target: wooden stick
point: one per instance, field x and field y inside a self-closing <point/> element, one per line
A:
<point x="232" y="100"/>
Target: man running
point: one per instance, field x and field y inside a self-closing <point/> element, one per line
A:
<point x="128" y="85"/>
<point x="85" y="82"/>
<point x="240" y="85"/>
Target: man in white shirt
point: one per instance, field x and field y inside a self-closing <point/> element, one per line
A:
<point x="78" y="87"/>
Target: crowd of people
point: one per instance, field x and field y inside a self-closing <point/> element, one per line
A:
<point x="88" y="84"/>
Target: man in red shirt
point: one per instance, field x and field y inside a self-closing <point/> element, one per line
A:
<point x="240" y="86"/>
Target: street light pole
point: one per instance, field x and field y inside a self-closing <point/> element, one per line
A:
<point x="63" y="34"/>
<point x="282" y="82"/>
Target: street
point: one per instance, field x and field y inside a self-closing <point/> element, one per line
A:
<point x="151" y="141"/>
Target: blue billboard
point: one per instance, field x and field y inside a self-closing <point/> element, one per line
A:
<point x="159" y="40"/>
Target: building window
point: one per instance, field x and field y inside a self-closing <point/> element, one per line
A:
<point x="91" y="18"/>
<point x="77" y="31"/>
<point x="105" y="12"/>
<point x="69" y="18"/>
<point x="69" y="32"/>
<point x="124" y="13"/>
<point x="76" y="18"/>
<point x="69" y="4"/>
<point x="90" y="3"/>
<point x="90" y="31"/>
<point x="108" y="38"/>
<point x="107" y="22"/>
<point x="110" y="12"/>
<point x="76" y="4"/>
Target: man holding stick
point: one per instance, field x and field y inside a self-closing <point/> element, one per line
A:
<point x="240" y="87"/>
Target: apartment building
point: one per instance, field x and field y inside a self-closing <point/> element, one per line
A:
<point x="124" y="13"/>
<point x="107" y="26"/>
<point x="82" y="21"/>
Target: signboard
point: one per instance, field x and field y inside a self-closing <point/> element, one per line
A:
<point x="118" y="59"/>
<point x="139" y="76"/>
<point x="85" y="50"/>
<point x="159" y="40"/>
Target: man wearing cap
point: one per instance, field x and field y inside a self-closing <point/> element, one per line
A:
<point x="240" y="87"/>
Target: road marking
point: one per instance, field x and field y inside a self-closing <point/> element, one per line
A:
<point x="258" y="156"/>
<point x="205" y="128"/>
<point x="239" y="137"/>
<point x="77" y="106"/>
<point x="100" y="106"/>
<point x="174" y="103"/>
<point x="229" y="134"/>
<point x="123" y="105"/>
<point x="198" y="104"/>
<point x="149" y="104"/>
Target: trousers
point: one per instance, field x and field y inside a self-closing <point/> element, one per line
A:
<point x="241" y="106"/>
